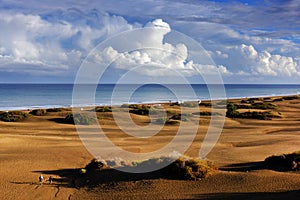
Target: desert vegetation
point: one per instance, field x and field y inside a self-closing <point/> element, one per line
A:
<point x="232" y="111"/>
<point x="183" y="168"/>
<point x="38" y="112"/>
<point x="103" y="109"/>
<point x="58" y="109"/>
<point x="13" y="116"/>
<point x="284" y="162"/>
<point x="80" y="119"/>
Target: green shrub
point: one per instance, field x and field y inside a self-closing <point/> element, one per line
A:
<point x="190" y="104"/>
<point x="80" y="119"/>
<point x="231" y="110"/>
<point x="142" y="110"/>
<point x="258" y="105"/>
<point x="58" y="109"/>
<point x="135" y="106"/>
<point x="38" y="112"/>
<point x="291" y="97"/>
<point x="278" y="99"/>
<point x="244" y="101"/>
<point x="13" y="116"/>
<point x="174" y="104"/>
<point x="103" y="109"/>
<point x="206" y="104"/>
<point x="256" y="115"/>
<point x="264" y="106"/>
<point x="166" y="121"/>
<point x="190" y="168"/>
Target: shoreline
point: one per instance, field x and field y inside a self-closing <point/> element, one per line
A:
<point x="30" y="108"/>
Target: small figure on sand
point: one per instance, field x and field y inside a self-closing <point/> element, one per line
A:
<point x="41" y="178"/>
<point x="50" y="179"/>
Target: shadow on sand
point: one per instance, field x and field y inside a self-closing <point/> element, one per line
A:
<point x="75" y="179"/>
<point x="251" y="196"/>
<point x="244" y="167"/>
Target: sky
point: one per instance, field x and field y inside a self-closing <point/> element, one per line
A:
<point x="249" y="42"/>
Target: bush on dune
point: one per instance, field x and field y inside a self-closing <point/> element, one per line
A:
<point x="291" y="97"/>
<point x="183" y="168"/>
<point x="95" y="165"/>
<point x="190" y="168"/>
<point x="80" y="119"/>
<point x="38" y="112"/>
<point x="103" y="109"/>
<point x="284" y="162"/>
<point x="13" y="116"/>
<point x="232" y="111"/>
<point x="167" y="121"/>
<point x="142" y="109"/>
<point x="58" y="109"/>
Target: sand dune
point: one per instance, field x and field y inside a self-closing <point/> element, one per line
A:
<point x="42" y="145"/>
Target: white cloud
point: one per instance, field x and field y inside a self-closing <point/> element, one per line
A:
<point x="30" y="43"/>
<point x="54" y="38"/>
<point x="267" y="64"/>
<point x="163" y="59"/>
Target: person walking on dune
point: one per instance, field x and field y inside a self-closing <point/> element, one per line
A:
<point x="41" y="178"/>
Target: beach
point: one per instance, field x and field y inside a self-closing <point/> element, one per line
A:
<point x="43" y="145"/>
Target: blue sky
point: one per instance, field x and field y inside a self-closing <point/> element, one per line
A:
<point x="249" y="41"/>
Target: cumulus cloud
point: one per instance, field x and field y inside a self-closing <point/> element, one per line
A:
<point x="30" y="43"/>
<point x="53" y="38"/>
<point x="154" y="55"/>
<point x="265" y="63"/>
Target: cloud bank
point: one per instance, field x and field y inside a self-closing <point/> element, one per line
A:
<point x="249" y="42"/>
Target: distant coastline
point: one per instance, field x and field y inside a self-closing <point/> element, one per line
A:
<point x="34" y="96"/>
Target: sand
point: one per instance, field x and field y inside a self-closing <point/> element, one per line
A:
<point x="42" y="145"/>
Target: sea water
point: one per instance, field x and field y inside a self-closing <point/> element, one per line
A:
<point x="31" y="96"/>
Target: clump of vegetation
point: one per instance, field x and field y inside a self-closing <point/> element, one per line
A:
<point x="190" y="104"/>
<point x="257" y="115"/>
<point x="174" y="104"/>
<point x="103" y="109"/>
<point x="291" y="97"/>
<point x="257" y="105"/>
<point x="142" y="109"/>
<point x="284" y="162"/>
<point x="252" y="100"/>
<point x="124" y="106"/>
<point x="190" y="168"/>
<point x="184" y="168"/>
<point x="58" y="109"/>
<point x="264" y="106"/>
<point x="206" y="104"/>
<point x="167" y="121"/>
<point x="181" y="117"/>
<point x="95" y="165"/>
<point x="203" y="113"/>
<point x="277" y="99"/>
<point x="80" y="119"/>
<point x="232" y="112"/>
<point x="38" y="112"/>
<point x="13" y="116"/>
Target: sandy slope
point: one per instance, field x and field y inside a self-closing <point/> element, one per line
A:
<point x="42" y="145"/>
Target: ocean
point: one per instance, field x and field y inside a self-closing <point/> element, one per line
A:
<point x="32" y="96"/>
